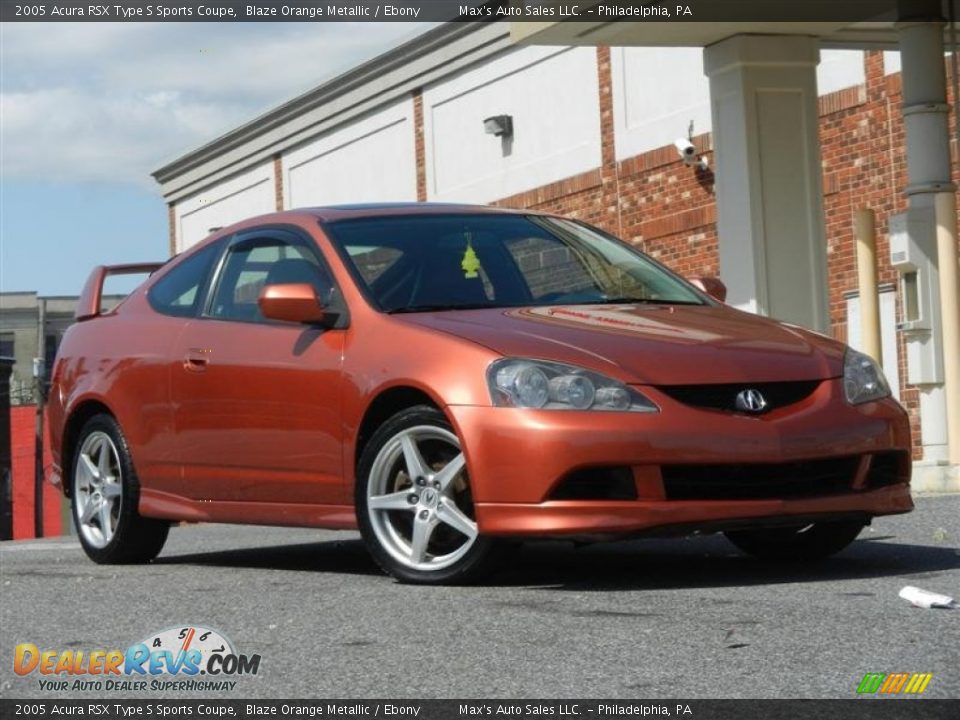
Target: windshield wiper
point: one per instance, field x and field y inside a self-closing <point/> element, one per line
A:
<point x="482" y="306"/>
<point x="639" y="301"/>
<point x="440" y="308"/>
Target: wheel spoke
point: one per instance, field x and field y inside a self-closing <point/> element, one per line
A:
<point x="451" y="515"/>
<point x="88" y="468"/>
<point x="89" y="510"/>
<point x="422" y="530"/>
<point x="111" y="490"/>
<point x="411" y="456"/>
<point x="449" y="472"/>
<point x="103" y="460"/>
<point x="106" y="526"/>
<point x="391" y="501"/>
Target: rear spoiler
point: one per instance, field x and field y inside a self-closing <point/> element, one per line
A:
<point x="89" y="304"/>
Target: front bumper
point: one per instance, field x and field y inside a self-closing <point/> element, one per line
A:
<point x="517" y="459"/>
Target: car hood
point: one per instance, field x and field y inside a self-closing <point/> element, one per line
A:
<point x="649" y="344"/>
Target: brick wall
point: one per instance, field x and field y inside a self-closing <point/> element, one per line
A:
<point x="669" y="209"/>
<point x="22" y="445"/>
<point x="172" y="228"/>
<point x="419" y="147"/>
<point x="278" y="182"/>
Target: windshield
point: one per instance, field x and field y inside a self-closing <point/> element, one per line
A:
<point x="446" y="262"/>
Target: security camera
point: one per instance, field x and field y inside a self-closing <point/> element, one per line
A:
<point x="688" y="153"/>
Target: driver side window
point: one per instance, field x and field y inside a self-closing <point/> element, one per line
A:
<point x="252" y="264"/>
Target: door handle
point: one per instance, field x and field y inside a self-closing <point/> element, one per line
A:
<point x="196" y="360"/>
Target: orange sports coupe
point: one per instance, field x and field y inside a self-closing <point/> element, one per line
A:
<point x="446" y="378"/>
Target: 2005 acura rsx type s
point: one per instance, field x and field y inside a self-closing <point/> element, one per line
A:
<point x="448" y="377"/>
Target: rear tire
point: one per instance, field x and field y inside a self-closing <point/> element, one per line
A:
<point x="414" y="503"/>
<point x="801" y="543"/>
<point x="106" y="492"/>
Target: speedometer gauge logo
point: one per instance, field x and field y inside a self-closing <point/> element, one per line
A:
<point x="192" y="639"/>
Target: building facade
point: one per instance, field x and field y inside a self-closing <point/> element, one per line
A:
<point x="593" y="137"/>
<point x="22" y="314"/>
<point x="26" y="321"/>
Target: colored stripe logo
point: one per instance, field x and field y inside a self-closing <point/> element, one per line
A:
<point x="894" y="683"/>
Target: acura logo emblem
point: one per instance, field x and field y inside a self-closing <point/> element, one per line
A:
<point x="750" y="401"/>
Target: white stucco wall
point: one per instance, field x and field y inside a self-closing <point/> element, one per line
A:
<point x="656" y="93"/>
<point x="891" y="62"/>
<point x="242" y="196"/>
<point x="839" y="69"/>
<point x="552" y="95"/>
<point x="371" y="160"/>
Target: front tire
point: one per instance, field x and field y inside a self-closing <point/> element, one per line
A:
<point x="414" y="502"/>
<point x="801" y="543"/>
<point x="106" y="493"/>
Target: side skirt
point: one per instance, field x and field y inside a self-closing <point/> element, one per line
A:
<point x="156" y="504"/>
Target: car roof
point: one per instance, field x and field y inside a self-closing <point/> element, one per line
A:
<point x="332" y="213"/>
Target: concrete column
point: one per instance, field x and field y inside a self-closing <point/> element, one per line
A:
<point x="763" y="96"/>
<point x="865" y="233"/>
<point x="925" y="118"/>
<point x="946" y="216"/>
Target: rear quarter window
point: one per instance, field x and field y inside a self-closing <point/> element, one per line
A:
<point x="178" y="292"/>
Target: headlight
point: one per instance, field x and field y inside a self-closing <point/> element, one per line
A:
<point x="521" y="383"/>
<point x="863" y="380"/>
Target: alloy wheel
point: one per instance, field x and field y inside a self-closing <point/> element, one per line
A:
<point x="419" y="501"/>
<point x="98" y="485"/>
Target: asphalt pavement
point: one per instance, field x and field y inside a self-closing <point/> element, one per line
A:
<point x="653" y="619"/>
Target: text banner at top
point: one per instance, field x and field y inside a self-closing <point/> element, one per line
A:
<point x="449" y="10"/>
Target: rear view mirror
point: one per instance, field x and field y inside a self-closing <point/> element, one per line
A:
<point x="712" y="286"/>
<point x="294" y="302"/>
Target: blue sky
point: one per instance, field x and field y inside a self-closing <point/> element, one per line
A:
<point x="88" y="110"/>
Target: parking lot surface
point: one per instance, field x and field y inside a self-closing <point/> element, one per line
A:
<point x="679" y="618"/>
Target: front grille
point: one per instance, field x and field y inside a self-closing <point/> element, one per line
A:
<point x="723" y="396"/>
<point x="765" y="481"/>
<point x="597" y="483"/>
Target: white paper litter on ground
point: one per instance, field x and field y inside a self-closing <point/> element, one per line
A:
<point x="926" y="599"/>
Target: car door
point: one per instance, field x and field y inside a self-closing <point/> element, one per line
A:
<point x="150" y="347"/>
<point x="257" y="401"/>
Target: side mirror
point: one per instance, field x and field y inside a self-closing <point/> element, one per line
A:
<point x="294" y="302"/>
<point x="712" y="286"/>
